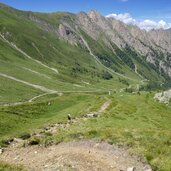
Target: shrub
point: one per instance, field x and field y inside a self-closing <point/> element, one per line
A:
<point x="25" y="136"/>
<point x="123" y="81"/>
<point x="34" y="141"/>
<point x="106" y="75"/>
<point x="5" y="142"/>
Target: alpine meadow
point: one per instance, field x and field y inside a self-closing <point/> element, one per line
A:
<point x="83" y="92"/>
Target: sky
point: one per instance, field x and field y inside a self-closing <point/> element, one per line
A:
<point x="146" y="14"/>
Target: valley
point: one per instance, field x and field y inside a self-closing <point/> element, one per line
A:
<point x="112" y="79"/>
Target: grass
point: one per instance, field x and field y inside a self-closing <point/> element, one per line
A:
<point x="132" y="120"/>
<point x="26" y="118"/>
<point x="12" y="91"/>
<point x="135" y="121"/>
<point x="76" y="66"/>
<point x="20" y="121"/>
<point x="7" y="167"/>
<point x="15" y="64"/>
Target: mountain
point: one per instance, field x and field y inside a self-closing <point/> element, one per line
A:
<point x="66" y="78"/>
<point x="141" y="47"/>
<point x="56" y="52"/>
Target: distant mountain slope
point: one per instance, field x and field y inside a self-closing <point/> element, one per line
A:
<point x="130" y="44"/>
<point x="77" y="52"/>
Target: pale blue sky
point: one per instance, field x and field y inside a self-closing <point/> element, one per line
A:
<point x="139" y="10"/>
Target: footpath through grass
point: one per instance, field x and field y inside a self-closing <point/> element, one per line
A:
<point x="26" y="118"/>
<point x="133" y="120"/>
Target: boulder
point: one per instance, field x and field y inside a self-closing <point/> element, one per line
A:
<point x="1" y="150"/>
<point x="131" y="169"/>
<point x="91" y="115"/>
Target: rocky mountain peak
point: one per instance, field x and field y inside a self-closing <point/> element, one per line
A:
<point x="94" y="15"/>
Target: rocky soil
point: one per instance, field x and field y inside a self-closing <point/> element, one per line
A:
<point x="76" y="156"/>
<point x="163" y="97"/>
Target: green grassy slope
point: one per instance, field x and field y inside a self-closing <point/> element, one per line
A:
<point x="28" y="117"/>
<point x="134" y="121"/>
<point x="76" y="67"/>
<point x="12" y="91"/>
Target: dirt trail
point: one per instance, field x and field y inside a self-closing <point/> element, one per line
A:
<point x="104" y="107"/>
<point x="37" y="73"/>
<point x="30" y="100"/>
<point x="76" y="156"/>
<point x="42" y="88"/>
<point x="27" y="83"/>
<point x="85" y="155"/>
<point x="37" y="49"/>
<point x="136" y="71"/>
<point x="98" y="61"/>
<point x="26" y="55"/>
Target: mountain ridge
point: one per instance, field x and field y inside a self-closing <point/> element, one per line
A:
<point x="83" y="46"/>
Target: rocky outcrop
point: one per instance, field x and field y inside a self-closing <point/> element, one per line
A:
<point x="163" y="97"/>
<point x="162" y="38"/>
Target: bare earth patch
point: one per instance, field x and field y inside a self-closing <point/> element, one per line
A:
<point x="79" y="156"/>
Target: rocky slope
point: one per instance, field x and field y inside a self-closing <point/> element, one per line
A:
<point x="155" y="45"/>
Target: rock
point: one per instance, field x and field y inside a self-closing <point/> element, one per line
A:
<point x="6" y="142"/>
<point x="60" y="94"/>
<point x="142" y="42"/>
<point x="163" y="97"/>
<point x="131" y="169"/>
<point x="1" y="150"/>
<point x="91" y="115"/>
<point x="18" y="140"/>
<point x="17" y="158"/>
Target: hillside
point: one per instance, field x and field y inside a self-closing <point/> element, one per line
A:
<point x="102" y="72"/>
<point x="37" y="56"/>
<point x="68" y="52"/>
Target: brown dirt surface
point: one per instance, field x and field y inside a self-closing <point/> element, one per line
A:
<point x="86" y="155"/>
